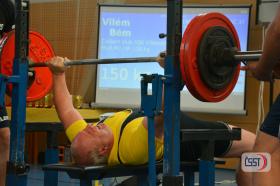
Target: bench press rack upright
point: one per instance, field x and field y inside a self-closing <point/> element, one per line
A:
<point x="172" y="88"/>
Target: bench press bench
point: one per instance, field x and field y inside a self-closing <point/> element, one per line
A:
<point x="205" y="166"/>
<point x="86" y="174"/>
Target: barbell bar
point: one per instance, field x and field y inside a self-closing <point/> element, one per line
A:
<point x="239" y="56"/>
<point x="248" y="56"/>
<point x="101" y="61"/>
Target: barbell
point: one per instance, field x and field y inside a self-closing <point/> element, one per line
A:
<point x="210" y="59"/>
<point x="238" y="56"/>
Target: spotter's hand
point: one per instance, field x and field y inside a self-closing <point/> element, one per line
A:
<point x="259" y="74"/>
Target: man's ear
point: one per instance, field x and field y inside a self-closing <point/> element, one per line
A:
<point x="103" y="150"/>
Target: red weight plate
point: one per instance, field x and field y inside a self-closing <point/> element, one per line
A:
<point x="39" y="51"/>
<point x="182" y="47"/>
<point x="189" y="32"/>
<point x="189" y="61"/>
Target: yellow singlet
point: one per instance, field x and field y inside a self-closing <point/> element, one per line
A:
<point x="134" y="140"/>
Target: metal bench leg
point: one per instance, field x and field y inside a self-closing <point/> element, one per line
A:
<point x="142" y="180"/>
<point x="51" y="177"/>
<point x="16" y="180"/>
<point x="207" y="165"/>
<point x="206" y="173"/>
<point x="188" y="177"/>
<point x="51" y="156"/>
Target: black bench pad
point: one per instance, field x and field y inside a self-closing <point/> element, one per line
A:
<point x="103" y="171"/>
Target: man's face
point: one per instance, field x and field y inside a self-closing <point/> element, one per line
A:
<point x="98" y="138"/>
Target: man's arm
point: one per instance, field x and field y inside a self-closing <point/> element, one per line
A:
<point x="271" y="51"/>
<point x="62" y="98"/>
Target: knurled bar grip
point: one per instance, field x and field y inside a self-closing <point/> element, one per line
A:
<point x="101" y="61"/>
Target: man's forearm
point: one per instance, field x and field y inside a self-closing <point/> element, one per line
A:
<point x="61" y="93"/>
<point x="63" y="101"/>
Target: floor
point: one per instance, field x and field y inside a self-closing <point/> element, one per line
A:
<point x="36" y="178"/>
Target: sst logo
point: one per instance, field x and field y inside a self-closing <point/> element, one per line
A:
<point x="256" y="162"/>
